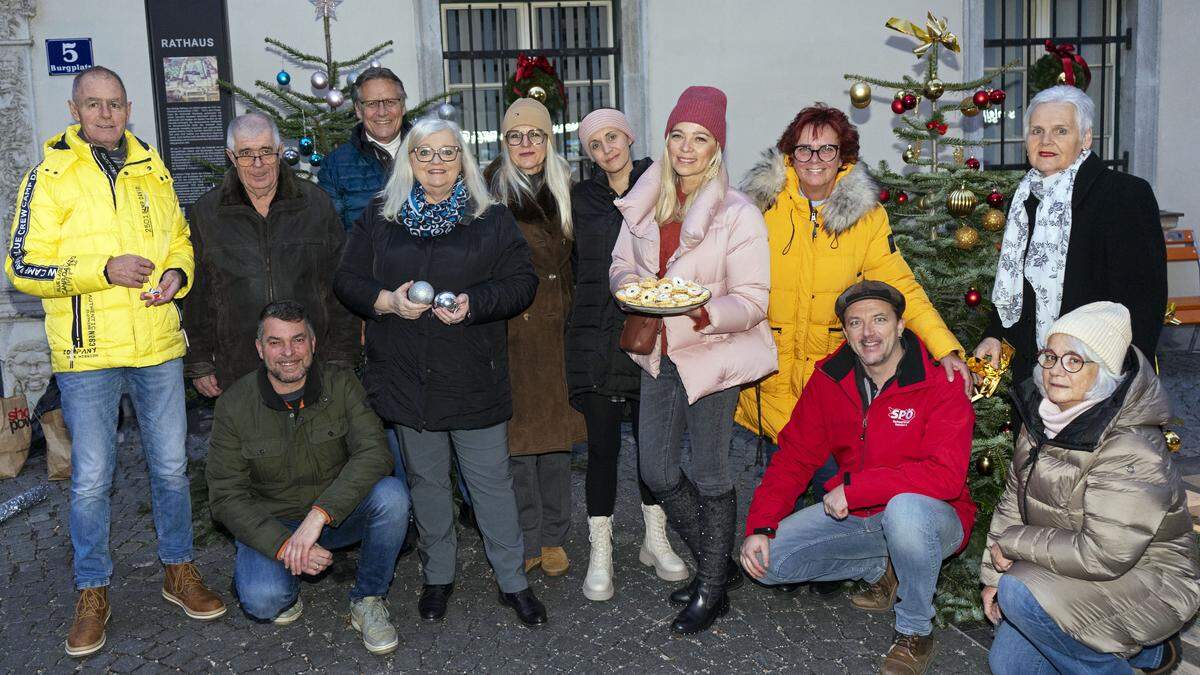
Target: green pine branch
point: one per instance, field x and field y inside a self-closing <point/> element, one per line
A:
<point x="296" y="54"/>
<point x="365" y="56"/>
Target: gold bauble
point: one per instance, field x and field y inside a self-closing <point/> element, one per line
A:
<point x="934" y="89"/>
<point x="966" y="237"/>
<point x="899" y="95"/>
<point x="968" y="107"/>
<point x="993" y="220"/>
<point x="910" y="155"/>
<point x="1174" y="442"/>
<point x="925" y="202"/>
<point x="1062" y="77"/>
<point x="961" y="202"/>
<point x="860" y="94"/>
<point x="983" y="465"/>
<point x="537" y="93"/>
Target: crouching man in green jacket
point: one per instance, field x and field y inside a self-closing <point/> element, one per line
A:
<point x="298" y="465"/>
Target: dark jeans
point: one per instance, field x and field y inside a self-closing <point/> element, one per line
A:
<point x="603" y="418"/>
<point x="1029" y="642"/>
<point x="665" y="414"/>
<point x="265" y="587"/>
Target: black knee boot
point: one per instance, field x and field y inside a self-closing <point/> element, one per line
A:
<point x="718" y="520"/>
<point x="686" y="497"/>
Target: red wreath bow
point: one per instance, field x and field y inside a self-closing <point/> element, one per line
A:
<point x="1067" y="54"/>
<point x="526" y="65"/>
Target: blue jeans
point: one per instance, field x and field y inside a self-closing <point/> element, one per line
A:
<point x="916" y="532"/>
<point x="265" y="587"/>
<point x="89" y="401"/>
<point x="1028" y="641"/>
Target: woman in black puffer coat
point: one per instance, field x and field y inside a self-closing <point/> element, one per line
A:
<point x="601" y="379"/>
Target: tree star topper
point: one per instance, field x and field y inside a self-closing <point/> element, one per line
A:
<point x="326" y="8"/>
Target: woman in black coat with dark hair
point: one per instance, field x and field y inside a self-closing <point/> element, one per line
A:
<point x="601" y="379"/>
<point x="1077" y="233"/>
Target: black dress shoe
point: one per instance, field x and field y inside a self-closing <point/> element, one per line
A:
<point x="410" y="539"/>
<point x="529" y="609"/>
<point x="432" y="605"/>
<point x="707" y="604"/>
<point x="733" y="580"/>
<point x="826" y="588"/>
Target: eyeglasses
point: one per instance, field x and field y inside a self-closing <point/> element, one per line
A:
<point x="1071" y="362"/>
<point x="448" y="153"/>
<point x="804" y="153"/>
<point x="516" y="138"/>
<point x="247" y="157"/>
<point x="388" y="104"/>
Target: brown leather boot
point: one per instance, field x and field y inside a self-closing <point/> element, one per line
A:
<point x="87" y="630"/>
<point x="183" y="586"/>
<point x="879" y="596"/>
<point x="554" y="561"/>
<point x="909" y="655"/>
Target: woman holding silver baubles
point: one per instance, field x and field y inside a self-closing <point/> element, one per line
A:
<point x="439" y="373"/>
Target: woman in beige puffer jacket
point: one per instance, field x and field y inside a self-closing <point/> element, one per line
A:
<point x="1091" y="546"/>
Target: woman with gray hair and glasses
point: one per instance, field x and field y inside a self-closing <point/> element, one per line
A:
<point x="1077" y="232"/>
<point x="1092" y="563"/>
<point x="439" y="374"/>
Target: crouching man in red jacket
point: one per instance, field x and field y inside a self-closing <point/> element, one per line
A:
<point x="901" y="436"/>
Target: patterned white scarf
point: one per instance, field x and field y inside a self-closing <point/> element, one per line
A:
<point x="1046" y="260"/>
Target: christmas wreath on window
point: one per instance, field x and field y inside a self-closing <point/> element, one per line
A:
<point x="535" y="78"/>
<point x="1060" y="65"/>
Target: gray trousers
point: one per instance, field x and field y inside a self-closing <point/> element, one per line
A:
<point x="483" y="460"/>
<point x="543" y="487"/>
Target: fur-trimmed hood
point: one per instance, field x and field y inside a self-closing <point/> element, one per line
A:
<point x="855" y="193"/>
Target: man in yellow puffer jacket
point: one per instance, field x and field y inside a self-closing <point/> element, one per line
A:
<point x="99" y="236"/>
<point x="827" y="231"/>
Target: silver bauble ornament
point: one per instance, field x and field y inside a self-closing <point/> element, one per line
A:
<point x="376" y="64"/>
<point x="335" y="98"/>
<point x="446" y="300"/>
<point x="319" y="80"/>
<point x="421" y="292"/>
<point x="446" y="111"/>
<point x="291" y="156"/>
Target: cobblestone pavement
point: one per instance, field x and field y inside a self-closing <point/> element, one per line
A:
<point x="766" y="631"/>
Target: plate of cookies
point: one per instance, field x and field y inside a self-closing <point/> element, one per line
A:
<point x="662" y="297"/>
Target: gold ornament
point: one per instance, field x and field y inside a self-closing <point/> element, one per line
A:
<point x="911" y="155"/>
<point x="983" y="464"/>
<point x="935" y="32"/>
<point x="993" y="220"/>
<point x="1062" y="77"/>
<point x="968" y="107"/>
<point x="537" y="93"/>
<point x="924" y="202"/>
<point x="966" y="237"/>
<point x="860" y="94"/>
<point x="958" y="155"/>
<point x="962" y="202"/>
<point x="899" y="95"/>
<point x="1174" y="442"/>
<point x="1169" y="319"/>
<point x="989" y="377"/>
<point x="934" y="89"/>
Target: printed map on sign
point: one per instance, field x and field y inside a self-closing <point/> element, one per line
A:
<point x="191" y="79"/>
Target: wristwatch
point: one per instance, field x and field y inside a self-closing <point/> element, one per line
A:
<point x="767" y="531"/>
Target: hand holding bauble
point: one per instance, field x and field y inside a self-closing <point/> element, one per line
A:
<point x="421" y="292"/>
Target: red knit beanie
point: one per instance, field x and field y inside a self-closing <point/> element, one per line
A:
<point x="701" y="105"/>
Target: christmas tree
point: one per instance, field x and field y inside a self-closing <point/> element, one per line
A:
<point x="947" y="215"/>
<point x="319" y="124"/>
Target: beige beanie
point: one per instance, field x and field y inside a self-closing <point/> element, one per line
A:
<point x="1102" y="326"/>
<point x="527" y="111"/>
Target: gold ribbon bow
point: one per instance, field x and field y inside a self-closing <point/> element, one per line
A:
<point x="1169" y="318"/>
<point x="934" y="33"/>
<point x="989" y="376"/>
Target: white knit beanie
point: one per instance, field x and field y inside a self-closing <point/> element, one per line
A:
<point x="1104" y="327"/>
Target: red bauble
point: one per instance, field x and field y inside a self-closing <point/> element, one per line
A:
<point x="973" y="163"/>
<point x="996" y="96"/>
<point x="981" y="99"/>
<point x="910" y="101"/>
<point x="1006" y="428"/>
<point x="995" y="199"/>
<point x="972" y="298"/>
<point x="931" y="125"/>
<point x="902" y="198"/>
<point x="942" y="128"/>
<point x="884" y="195"/>
<point x="898" y="107"/>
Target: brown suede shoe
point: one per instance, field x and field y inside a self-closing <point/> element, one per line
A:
<point x="183" y="586"/>
<point x="909" y="655"/>
<point x="879" y="596"/>
<point x="87" y="630"/>
<point x="532" y="563"/>
<point x="554" y="561"/>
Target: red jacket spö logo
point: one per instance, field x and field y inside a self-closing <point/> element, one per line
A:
<point x="901" y="416"/>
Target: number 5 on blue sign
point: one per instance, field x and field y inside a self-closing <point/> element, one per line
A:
<point x="68" y="56"/>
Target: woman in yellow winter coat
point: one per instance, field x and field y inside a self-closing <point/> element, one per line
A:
<point x="827" y="231"/>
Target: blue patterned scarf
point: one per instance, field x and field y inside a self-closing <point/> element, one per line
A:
<point x="433" y="220"/>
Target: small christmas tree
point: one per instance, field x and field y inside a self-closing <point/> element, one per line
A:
<point x="318" y="123"/>
<point x="947" y="215"/>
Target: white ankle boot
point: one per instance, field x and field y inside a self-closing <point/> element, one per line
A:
<point x="598" y="584"/>
<point x="656" y="550"/>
